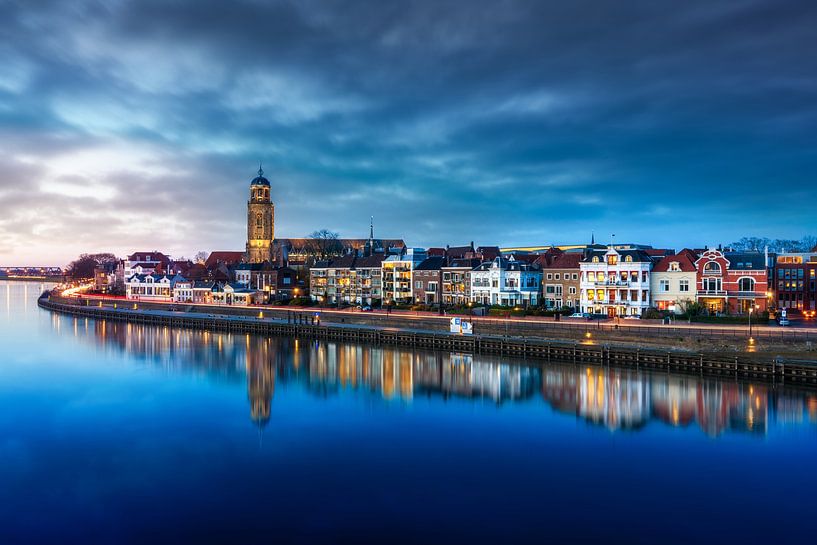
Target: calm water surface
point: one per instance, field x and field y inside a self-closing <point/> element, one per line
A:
<point x="111" y="433"/>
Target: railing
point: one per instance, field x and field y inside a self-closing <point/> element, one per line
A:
<point x="719" y="293"/>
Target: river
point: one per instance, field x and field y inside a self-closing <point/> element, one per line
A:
<point x="117" y="433"/>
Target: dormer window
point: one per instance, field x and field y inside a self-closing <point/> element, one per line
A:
<point x="712" y="268"/>
<point x="595" y="259"/>
<point x="612" y="259"/>
<point x="628" y="259"/>
<point x="674" y="266"/>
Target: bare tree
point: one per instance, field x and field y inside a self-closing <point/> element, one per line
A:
<point x="323" y="243"/>
<point x="200" y="257"/>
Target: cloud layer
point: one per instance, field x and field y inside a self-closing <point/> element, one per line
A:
<point x="137" y="125"/>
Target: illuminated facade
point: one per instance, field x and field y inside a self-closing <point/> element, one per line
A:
<point x="615" y="282"/>
<point x="260" y="221"/>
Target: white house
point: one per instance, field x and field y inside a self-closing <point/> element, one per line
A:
<point x="506" y="282"/>
<point x="183" y="290"/>
<point x="149" y="287"/>
<point x="673" y="281"/>
<point x="615" y="282"/>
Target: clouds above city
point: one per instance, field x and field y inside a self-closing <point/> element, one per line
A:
<point x="138" y="125"/>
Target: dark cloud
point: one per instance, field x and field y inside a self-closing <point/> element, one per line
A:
<point x="503" y="122"/>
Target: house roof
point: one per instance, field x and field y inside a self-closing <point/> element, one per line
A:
<point x="564" y="261"/>
<point x="507" y="264"/>
<point x="227" y="258"/>
<point x="433" y="263"/>
<point x="149" y="256"/>
<point x="639" y="256"/>
<point x="369" y="262"/>
<point x="746" y="260"/>
<point x="464" y="263"/>
<point x="685" y="259"/>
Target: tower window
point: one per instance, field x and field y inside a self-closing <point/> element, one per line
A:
<point x="259" y="221"/>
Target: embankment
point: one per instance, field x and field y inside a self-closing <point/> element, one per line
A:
<point x="593" y="350"/>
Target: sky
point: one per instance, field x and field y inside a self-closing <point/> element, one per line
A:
<point x="131" y="126"/>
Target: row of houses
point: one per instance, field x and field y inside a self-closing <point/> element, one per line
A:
<point x="614" y="280"/>
<point x="223" y="278"/>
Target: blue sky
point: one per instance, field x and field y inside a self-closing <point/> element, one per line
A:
<point x="138" y="125"/>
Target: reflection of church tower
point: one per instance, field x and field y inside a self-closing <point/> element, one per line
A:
<point x="260" y="388"/>
<point x="260" y="220"/>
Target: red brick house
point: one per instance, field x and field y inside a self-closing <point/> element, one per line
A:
<point x="732" y="282"/>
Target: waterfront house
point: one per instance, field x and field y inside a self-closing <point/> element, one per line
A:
<point x="149" y="287"/>
<point x="146" y="263"/>
<point x="560" y="278"/>
<point x="397" y="273"/>
<point x="615" y="281"/>
<point x="234" y="293"/>
<point x="673" y="280"/>
<point x="732" y="282"/>
<point x="506" y="282"/>
<point x="456" y="278"/>
<point x="794" y="284"/>
<point x="183" y="290"/>
<point x="428" y="280"/>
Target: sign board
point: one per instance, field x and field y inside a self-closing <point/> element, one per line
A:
<point x="460" y="326"/>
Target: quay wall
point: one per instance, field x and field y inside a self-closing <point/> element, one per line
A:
<point x="768" y="340"/>
<point x="302" y="325"/>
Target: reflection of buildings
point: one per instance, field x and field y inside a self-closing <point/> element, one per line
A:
<point x="627" y="399"/>
<point x="260" y="383"/>
<point x="615" y="398"/>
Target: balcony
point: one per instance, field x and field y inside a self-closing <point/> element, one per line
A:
<point x="711" y="293"/>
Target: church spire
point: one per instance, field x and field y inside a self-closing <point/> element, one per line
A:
<point x="592" y="238"/>
<point x="371" y="228"/>
<point x="260" y="170"/>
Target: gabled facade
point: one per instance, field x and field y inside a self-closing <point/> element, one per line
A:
<point x="428" y="280"/>
<point x="615" y="282"/>
<point x="731" y="282"/>
<point x="673" y="281"/>
<point x="560" y="278"/>
<point x="456" y="281"/>
<point x="506" y="282"/>
<point x="149" y="287"/>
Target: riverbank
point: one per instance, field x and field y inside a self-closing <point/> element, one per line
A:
<point x="590" y="350"/>
<point x="764" y="342"/>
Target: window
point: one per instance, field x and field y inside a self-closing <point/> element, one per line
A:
<point x="612" y="259"/>
<point x="571" y="290"/>
<point x="550" y="276"/>
<point x="746" y="284"/>
<point x="591" y="295"/>
<point x="595" y="259"/>
<point x="259" y="221"/>
<point x="576" y="275"/>
<point x="663" y="285"/>
<point x="712" y="268"/>
<point x="628" y="259"/>
<point x="683" y="285"/>
<point x="712" y="284"/>
<point x="432" y="287"/>
<point x="418" y="284"/>
<point x="674" y="266"/>
<point x="556" y="276"/>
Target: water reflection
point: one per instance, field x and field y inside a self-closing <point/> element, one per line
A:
<point x="616" y="399"/>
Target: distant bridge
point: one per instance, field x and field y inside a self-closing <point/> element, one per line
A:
<point x="31" y="272"/>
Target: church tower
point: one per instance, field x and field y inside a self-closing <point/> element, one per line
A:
<point x="260" y="220"/>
